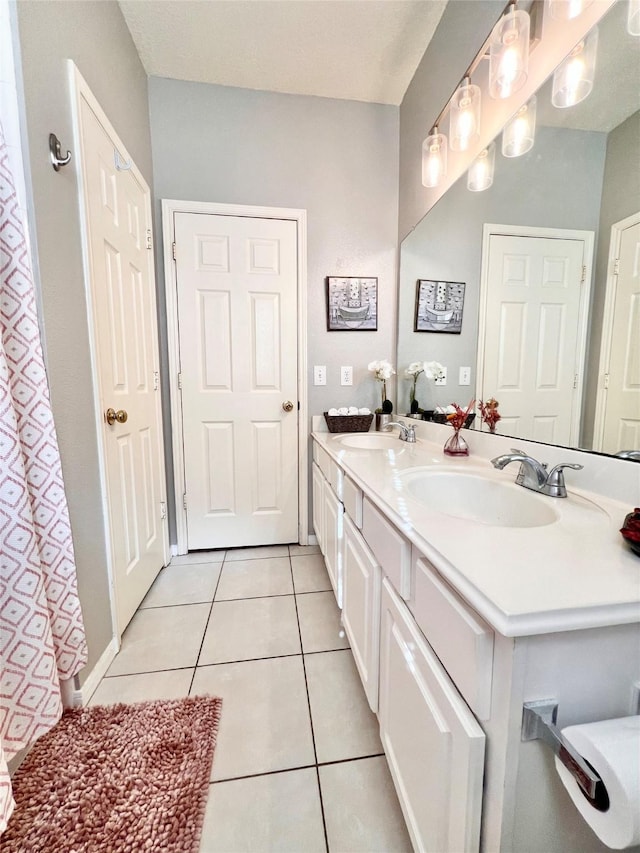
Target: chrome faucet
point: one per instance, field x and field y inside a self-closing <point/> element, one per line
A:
<point x="407" y="433"/>
<point x="628" y="454"/>
<point x="534" y="475"/>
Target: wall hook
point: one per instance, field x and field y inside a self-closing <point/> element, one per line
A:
<point x="55" y="153"/>
<point x="121" y="165"/>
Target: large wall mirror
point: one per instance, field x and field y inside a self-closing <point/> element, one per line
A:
<point x="547" y="326"/>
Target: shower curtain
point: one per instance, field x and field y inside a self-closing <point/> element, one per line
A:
<point x="41" y="632"/>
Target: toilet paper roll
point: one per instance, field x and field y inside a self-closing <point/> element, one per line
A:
<point x="612" y="747"/>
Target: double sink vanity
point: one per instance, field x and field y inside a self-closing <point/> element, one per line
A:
<point x="465" y="596"/>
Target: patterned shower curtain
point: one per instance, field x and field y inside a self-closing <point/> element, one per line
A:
<point x="41" y="631"/>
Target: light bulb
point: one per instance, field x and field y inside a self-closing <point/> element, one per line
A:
<point x="573" y="78"/>
<point x="633" y="18"/>
<point x="566" y="10"/>
<point x="480" y="174"/>
<point x="464" y="117"/>
<point x="509" y="54"/>
<point x="434" y="159"/>
<point x="519" y="133"/>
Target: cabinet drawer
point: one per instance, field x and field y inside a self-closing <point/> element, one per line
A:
<point x="352" y="499"/>
<point x="391" y="549"/>
<point x="323" y="460"/>
<point x="460" y="638"/>
<point x="336" y="478"/>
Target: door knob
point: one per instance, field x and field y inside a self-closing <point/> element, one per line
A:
<point x="288" y="406"/>
<point x="111" y="416"/>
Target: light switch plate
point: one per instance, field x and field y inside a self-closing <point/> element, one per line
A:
<point x="346" y="375"/>
<point x="443" y="379"/>
<point x="320" y="374"/>
<point x="465" y="376"/>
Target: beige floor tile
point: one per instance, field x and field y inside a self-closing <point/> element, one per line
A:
<point x="310" y="574"/>
<point x="258" y="553"/>
<point x="303" y="550"/>
<point x="186" y="583"/>
<point x="276" y="812"/>
<point x="252" y="578"/>
<point x="162" y="638"/>
<point x="320" y="626"/>
<point x="198" y="557"/>
<point x="265" y="722"/>
<point x="251" y="628"/>
<point x="361" y="809"/>
<point x="343" y="724"/>
<point x="169" y="684"/>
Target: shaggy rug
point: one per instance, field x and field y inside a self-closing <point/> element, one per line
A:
<point x="117" y="779"/>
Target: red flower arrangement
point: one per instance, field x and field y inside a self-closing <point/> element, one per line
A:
<point x="631" y="530"/>
<point x="458" y="418"/>
<point x="490" y="413"/>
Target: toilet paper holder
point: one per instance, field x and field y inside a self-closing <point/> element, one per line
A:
<point x="539" y="723"/>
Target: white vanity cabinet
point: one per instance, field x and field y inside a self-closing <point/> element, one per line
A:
<point x="362" y="577"/>
<point x="333" y="519"/>
<point x="434" y="746"/>
<point x="317" y="481"/>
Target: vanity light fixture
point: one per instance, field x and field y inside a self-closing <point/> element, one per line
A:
<point x="519" y="133"/>
<point x="480" y="174"/>
<point x="509" y="53"/>
<point x="464" y="116"/>
<point x="573" y="78"/>
<point x="566" y="10"/>
<point x="434" y="158"/>
<point x="633" y="18"/>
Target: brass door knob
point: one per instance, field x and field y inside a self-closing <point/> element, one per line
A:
<point x="111" y="416"/>
<point x="288" y="406"/>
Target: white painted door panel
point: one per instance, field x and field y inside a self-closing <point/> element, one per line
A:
<point x="531" y="358"/>
<point x="622" y="412"/>
<point x="434" y="746"/>
<point x="237" y="285"/>
<point x="123" y="295"/>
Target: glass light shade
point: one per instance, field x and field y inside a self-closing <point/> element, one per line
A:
<point x="573" y="78"/>
<point x="633" y="18"/>
<point x="509" y="54"/>
<point x="464" y="117"/>
<point x="480" y="174"/>
<point x="565" y="10"/>
<point x="434" y="159"/>
<point x="519" y="134"/>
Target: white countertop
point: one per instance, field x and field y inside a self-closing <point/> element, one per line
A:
<point x="576" y="572"/>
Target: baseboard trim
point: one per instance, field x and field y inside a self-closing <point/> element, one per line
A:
<point x="313" y="539"/>
<point x="82" y="694"/>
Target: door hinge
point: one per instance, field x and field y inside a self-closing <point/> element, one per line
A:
<point x="616" y="266"/>
<point x="173" y="249"/>
<point x="156" y="380"/>
<point x="606" y="381"/>
<point x="149" y="243"/>
<point x="163" y="509"/>
<point x="575" y="381"/>
<point x="179" y="382"/>
<point x="584" y="274"/>
<point x="184" y="501"/>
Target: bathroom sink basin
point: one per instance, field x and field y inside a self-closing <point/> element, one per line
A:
<point x="479" y="499"/>
<point x="370" y="441"/>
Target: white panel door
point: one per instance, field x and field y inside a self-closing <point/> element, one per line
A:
<point x="622" y="407"/>
<point x="124" y="306"/>
<point x="434" y="746"/>
<point x="531" y="358"/>
<point x="237" y="316"/>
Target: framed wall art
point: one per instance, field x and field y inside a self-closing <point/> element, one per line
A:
<point x="439" y="306"/>
<point x="352" y="304"/>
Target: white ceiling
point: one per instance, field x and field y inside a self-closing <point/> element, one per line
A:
<point x="363" y="50"/>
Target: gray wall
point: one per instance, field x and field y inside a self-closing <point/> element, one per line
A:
<point x="95" y="37"/>
<point x="545" y="187"/>
<point x="338" y="160"/>
<point x="620" y="198"/>
<point x="463" y="28"/>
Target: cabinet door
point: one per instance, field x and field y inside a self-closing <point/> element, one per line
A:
<point x="361" y="608"/>
<point x="318" y="505"/>
<point x="333" y="517"/>
<point x="434" y="746"/>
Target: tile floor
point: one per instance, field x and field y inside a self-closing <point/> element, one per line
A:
<point x="298" y="765"/>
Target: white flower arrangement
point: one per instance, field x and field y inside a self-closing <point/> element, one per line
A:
<point x="382" y="371"/>
<point x="431" y="369"/>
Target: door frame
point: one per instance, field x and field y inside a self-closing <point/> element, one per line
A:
<point x="588" y="237"/>
<point x="169" y="208"/>
<point x="607" y="325"/>
<point x="79" y="90"/>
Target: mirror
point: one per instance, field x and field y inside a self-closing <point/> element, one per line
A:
<point x="580" y="178"/>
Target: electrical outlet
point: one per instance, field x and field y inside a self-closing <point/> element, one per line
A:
<point x="443" y="379"/>
<point x="346" y="375"/>
<point x="465" y="376"/>
<point x="320" y="374"/>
